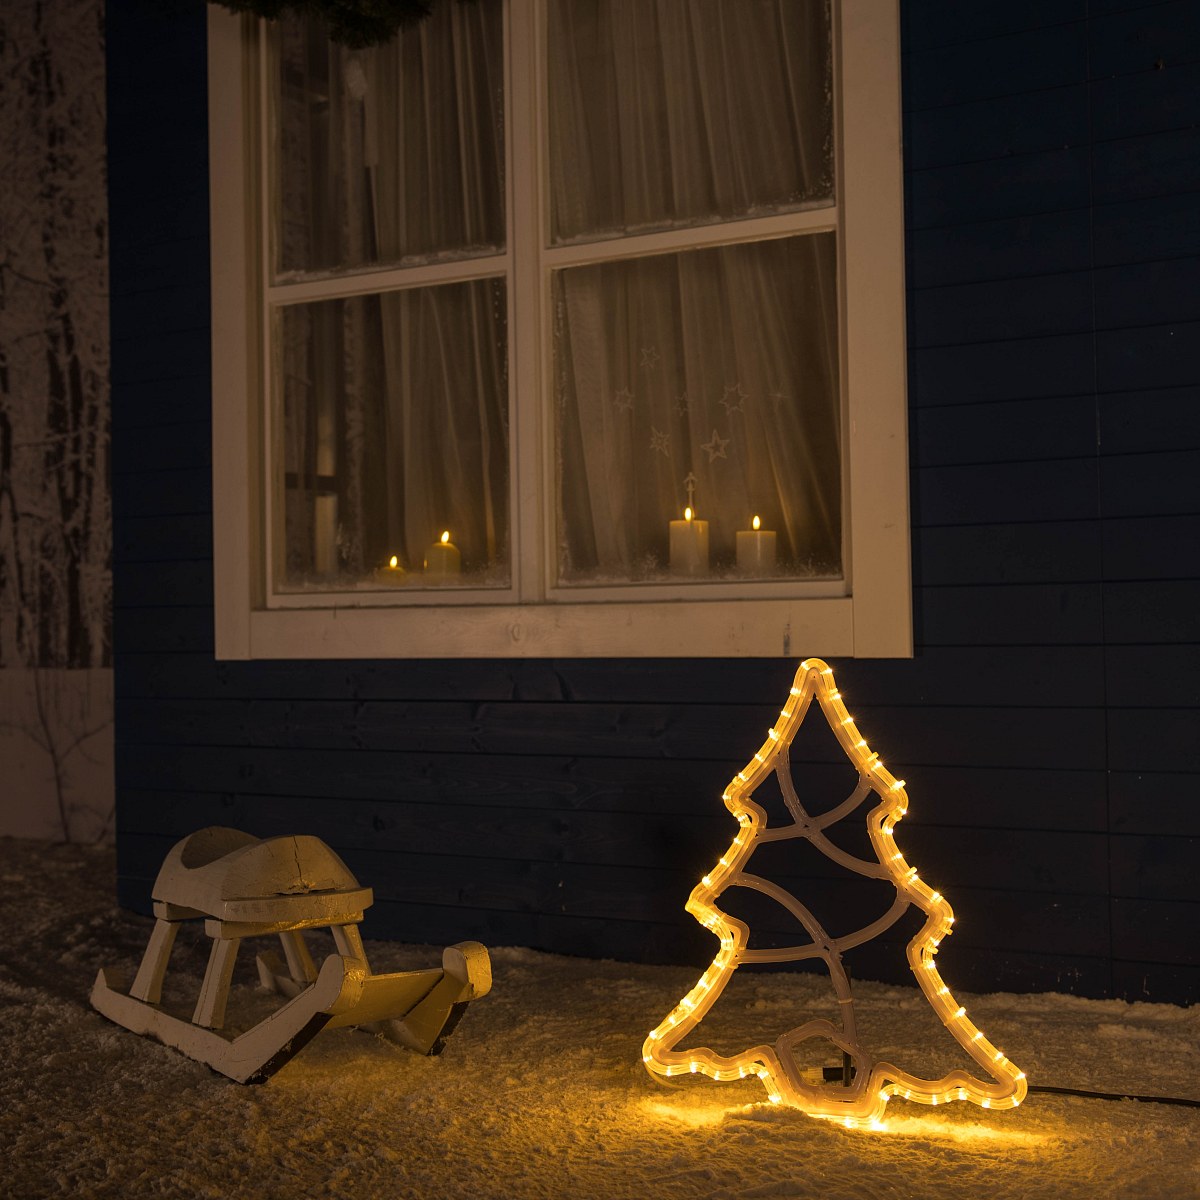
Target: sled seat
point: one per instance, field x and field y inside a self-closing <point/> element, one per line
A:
<point x="241" y="886"/>
<point x="235" y="879"/>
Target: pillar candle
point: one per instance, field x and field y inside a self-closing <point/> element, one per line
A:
<point x="392" y="573"/>
<point x="325" y="519"/>
<point x="756" y="550"/>
<point x="689" y="545"/>
<point x="443" y="563"/>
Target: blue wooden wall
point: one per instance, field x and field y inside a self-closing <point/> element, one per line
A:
<point x="1047" y="725"/>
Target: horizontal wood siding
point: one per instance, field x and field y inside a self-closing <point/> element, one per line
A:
<point x="1047" y="726"/>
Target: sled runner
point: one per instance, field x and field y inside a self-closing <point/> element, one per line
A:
<point x="243" y="887"/>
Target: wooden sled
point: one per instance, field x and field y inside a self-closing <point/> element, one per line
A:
<point x="241" y="886"/>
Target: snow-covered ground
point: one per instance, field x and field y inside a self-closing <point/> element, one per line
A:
<point x="541" y="1091"/>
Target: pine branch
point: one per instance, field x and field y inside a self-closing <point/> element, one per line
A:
<point x="353" y="23"/>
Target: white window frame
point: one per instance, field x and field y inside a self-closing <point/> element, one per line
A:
<point x="868" y="614"/>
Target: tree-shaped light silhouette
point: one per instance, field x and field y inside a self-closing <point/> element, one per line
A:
<point x="874" y="1082"/>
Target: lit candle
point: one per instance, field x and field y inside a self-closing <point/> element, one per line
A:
<point x="756" y="550"/>
<point x="393" y="573"/>
<point x="689" y="545"/>
<point x="443" y="562"/>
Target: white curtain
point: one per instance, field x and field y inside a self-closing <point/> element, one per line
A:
<point x="394" y="417"/>
<point x="670" y="112"/>
<point x="719" y="365"/>
<point x="715" y="367"/>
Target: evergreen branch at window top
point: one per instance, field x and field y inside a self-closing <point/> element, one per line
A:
<point x="353" y="23"/>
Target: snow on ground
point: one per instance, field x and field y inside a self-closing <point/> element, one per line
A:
<point x="541" y="1091"/>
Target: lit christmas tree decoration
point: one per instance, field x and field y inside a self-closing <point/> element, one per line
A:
<point x="861" y="1095"/>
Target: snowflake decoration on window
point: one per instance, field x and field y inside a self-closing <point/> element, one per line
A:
<point x="623" y="400"/>
<point x="649" y="359"/>
<point x="733" y="400"/>
<point x="715" y="447"/>
<point x="660" y="442"/>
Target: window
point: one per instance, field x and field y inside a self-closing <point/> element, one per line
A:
<point x="561" y="327"/>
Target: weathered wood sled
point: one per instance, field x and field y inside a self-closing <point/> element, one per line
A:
<point x="243" y="887"/>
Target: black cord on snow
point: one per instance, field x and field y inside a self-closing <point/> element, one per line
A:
<point x="1065" y="1091"/>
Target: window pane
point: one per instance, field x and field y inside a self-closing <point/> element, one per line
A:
<point x="684" y="112"/>
<point x="391" y="153"/>
<point x="392" y="428"/>
<point x="715" y="369"/>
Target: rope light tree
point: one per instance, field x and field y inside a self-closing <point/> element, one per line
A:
<point x="860" y="1097"/>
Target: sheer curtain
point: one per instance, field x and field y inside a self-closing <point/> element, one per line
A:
<point x="393" y="405"/>
<point x="715" y="367"/>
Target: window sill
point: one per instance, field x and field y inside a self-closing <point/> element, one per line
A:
<point x="692" y="629"/>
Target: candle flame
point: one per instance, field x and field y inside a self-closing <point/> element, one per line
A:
<point x="756" y="522"/>
<point x="687" y="514"/>
<point x="393" y="561"/>
<point x="445" y="536"/>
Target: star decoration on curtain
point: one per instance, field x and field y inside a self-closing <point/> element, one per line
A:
<point x="623" y="400"/>
<point x="661" y="442"/>
<point x="683" y="405"/>
<point x="777" y="397"/>
<point x="733" y="400"/>
<point x="649" y="357"/>
<point x="715" y="447"/>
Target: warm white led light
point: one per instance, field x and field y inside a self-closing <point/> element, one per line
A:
<point x="861" y="1103"/>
